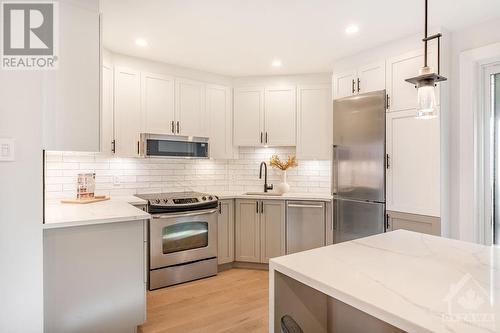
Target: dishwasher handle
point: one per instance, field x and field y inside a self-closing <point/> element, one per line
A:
<point x="305" y="206"/>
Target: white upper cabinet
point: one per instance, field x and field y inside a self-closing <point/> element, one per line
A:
<point x="403" y="95"/>
<point x="72" y="104"/>
<point x="344" y="84"/>
<point x="314" y="122"/>
<point x="219" y="111"/>
<point x="107" y="135"/>
<point x="362" y="80"/>
<point x="127" y="114"/>
<point x="280" y="116"/>
<point x="190" y="108"/>
<point x="248" y="116"/>
<point x="158" y="107"/>
<point x="265" y="116"/>
<point x="371" y="77"/>
<point x="413" y="174"/>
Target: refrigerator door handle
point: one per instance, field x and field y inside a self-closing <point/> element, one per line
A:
<point x="334" y="170"/>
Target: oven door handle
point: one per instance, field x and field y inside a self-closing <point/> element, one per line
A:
<point x="174" y="216"/>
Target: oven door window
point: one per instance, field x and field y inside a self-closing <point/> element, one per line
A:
<point x="184" y="236"/>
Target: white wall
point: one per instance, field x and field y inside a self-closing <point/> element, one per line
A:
<point x="473" y="37"/>
<point x="21" y="261"/>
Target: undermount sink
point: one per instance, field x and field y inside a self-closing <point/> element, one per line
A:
<point x="273" y="194"/>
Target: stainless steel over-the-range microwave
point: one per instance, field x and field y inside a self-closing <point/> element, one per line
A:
<point x="174" y="146"/>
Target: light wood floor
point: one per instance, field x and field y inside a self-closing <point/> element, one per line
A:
<point x="233" y="301"/>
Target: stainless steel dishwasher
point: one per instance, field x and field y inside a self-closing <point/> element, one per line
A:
<point x="305" y="225"/>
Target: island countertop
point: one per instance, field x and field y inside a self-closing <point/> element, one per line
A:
<point x="415" y="282"/>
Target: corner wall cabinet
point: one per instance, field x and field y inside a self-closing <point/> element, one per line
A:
<point x="362" y="80"/>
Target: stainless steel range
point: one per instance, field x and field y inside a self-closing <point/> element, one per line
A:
<point x="182" y="237"/>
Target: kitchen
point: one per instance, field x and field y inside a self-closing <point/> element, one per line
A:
<point x="213" y="170"/>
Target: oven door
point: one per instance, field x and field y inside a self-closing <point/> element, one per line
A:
<point x="182" y="238"/>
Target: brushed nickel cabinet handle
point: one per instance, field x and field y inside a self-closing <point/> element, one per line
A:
<point x="178" y="127"/>
<point x="172" y="127"/>
<point x="353" y="86"/>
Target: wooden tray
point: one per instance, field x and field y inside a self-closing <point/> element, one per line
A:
<point x="86" y="201"/>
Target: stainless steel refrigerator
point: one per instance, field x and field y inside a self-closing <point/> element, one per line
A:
<point x="358" y="166"/>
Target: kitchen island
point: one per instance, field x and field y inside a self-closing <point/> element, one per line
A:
<point x="392" y="282"/>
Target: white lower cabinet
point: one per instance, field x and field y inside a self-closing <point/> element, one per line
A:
<point x="418" y="223"/>
<point x="260" y="230"/>
<point x="225" y="232"/>
<point x="413" y="173"/>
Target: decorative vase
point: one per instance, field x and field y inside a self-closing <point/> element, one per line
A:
<point x="283" y="187"/>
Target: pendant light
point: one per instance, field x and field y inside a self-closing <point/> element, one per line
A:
<point x="427" y="79"/>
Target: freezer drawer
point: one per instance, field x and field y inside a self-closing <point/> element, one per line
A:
<point x="355" y="219"/>
<point x="305" y="225"/>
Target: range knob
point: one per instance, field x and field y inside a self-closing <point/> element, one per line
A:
<point x="204" y="198"/>
<point x="157" y="201"/>
<point x="165" y="200"/>
<point x="210" y="198"/>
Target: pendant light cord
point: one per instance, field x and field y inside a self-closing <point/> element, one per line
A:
<point x="425" y="37"/>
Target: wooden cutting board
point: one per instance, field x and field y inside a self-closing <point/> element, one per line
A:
<point x="97" y="198"/>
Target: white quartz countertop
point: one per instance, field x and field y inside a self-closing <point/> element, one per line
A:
<point x="117" y="209"/>
<point x="416" y="282"/>
<point x="286" y="196"/>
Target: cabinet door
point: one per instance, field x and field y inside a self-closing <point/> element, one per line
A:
<point x="344" y="84"/>
<point x="225" y="236"/>
<point x="190" y="108"/>
<point x="107" y="135"/>
<point x="371" y="77"/>
<point x="247" y="236"/>
<point x="127" y="111"/>
<point x="403" y="95"/>
<point x="272" y="229"/>
<point x="219" y="111"/>
<point x="248" y="116"/>
<point x="72" y="92"/>
<point x="280" y="116"/>
<point x="413" y="176"/>
<point x="314" y="122"/>
<point x="418" y="223"/>
<point x="158" y="106"/>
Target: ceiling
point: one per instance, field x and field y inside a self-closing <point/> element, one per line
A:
<point x="243" y="37"/>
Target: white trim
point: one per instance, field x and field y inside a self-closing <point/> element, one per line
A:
<point x="471" y="154"/>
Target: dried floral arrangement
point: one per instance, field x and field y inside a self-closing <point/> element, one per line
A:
<point x="277" y="163"/>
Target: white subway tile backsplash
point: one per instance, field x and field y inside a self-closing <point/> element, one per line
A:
<point x="125" y="176"/>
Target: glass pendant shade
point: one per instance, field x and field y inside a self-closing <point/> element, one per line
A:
<point x="426" y="107"/>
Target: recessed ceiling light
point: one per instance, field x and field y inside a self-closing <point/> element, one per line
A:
<point x="351" y="29"/>
<point x="276" y="63"/>
<point x="141" y="42"/>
